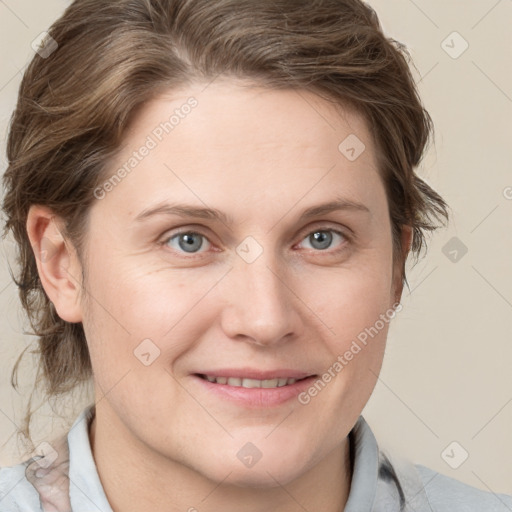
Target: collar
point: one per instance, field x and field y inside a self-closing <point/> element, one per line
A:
<point x="85" y="490"/>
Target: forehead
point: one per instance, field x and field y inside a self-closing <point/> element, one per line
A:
<point x="244" y="109"/>
<point x="244" y="112"/>
<point x="232" y="137"/>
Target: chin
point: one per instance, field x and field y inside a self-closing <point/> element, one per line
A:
<point x="263" y="478"/>
<point x="270" y="471"/>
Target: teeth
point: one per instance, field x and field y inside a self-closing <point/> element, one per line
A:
<point x="270" y="383"/>
<point x="251" y="383"/>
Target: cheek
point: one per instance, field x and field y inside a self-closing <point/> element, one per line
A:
<point x="355" y="303"/>
<point x="359" y="314"/>
<point x="350" y="298"/>
<point x="130" y="306"/>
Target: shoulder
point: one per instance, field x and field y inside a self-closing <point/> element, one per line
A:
<point x="39" y="483"/>
<point x="447" y="494"/>
<point x="388" y="482"/>
<point x="16" y="492"/>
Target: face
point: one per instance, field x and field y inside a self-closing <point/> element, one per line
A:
<point x="261" y="283"/>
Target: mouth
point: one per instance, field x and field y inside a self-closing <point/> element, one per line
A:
<point x="244" y="382"/>
<point x="272" y="389"/>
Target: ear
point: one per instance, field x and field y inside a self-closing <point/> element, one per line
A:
<point x="407" y="236"/>
<point x="57" y="263"/>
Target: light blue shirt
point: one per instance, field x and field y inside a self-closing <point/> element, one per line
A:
<point x="378" y="485"/>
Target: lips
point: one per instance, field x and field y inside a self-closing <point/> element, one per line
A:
<point x="252" y="388"/>
<point x="250" y="383"/>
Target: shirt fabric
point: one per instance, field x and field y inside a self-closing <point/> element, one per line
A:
<point x="71" y="482"/>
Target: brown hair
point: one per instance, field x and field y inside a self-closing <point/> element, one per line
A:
<point x="74" y="106"/>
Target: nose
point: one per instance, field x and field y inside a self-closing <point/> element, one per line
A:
<point x="260" y="306"/>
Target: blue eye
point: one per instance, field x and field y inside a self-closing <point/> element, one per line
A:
<point x="188" y="241"/>
<point x="322" y="239"/>
<point x="191" y="242"/>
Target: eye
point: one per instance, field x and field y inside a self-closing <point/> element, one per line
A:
<point x="187" y="241"/>
<point x="191" y="242"/>
<point x="322" y="239"/>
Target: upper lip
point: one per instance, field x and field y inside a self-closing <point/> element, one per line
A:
<point x="253" y="373"/>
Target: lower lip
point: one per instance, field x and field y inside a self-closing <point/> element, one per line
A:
<point x="257" y="397"/>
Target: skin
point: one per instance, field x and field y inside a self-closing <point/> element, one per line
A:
<point x="261" y="156"/>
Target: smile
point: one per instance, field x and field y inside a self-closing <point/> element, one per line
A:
<point x="250" y="383"/>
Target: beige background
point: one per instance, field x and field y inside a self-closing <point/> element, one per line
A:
<point x="446" y="376"/>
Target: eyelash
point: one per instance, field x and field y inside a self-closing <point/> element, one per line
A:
<point x="164" y="243"/>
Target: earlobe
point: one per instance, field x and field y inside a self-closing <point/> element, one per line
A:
<point x="407" y="236"/>
<point x="57" y="263"/>
<point x="407" y="239"/>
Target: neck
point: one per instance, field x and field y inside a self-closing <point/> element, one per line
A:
<point x="125" y="463"/>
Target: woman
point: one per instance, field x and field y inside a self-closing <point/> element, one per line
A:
<point x="214" y="201"/>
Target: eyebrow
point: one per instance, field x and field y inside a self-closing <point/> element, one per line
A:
<point x="185" y="210"/>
